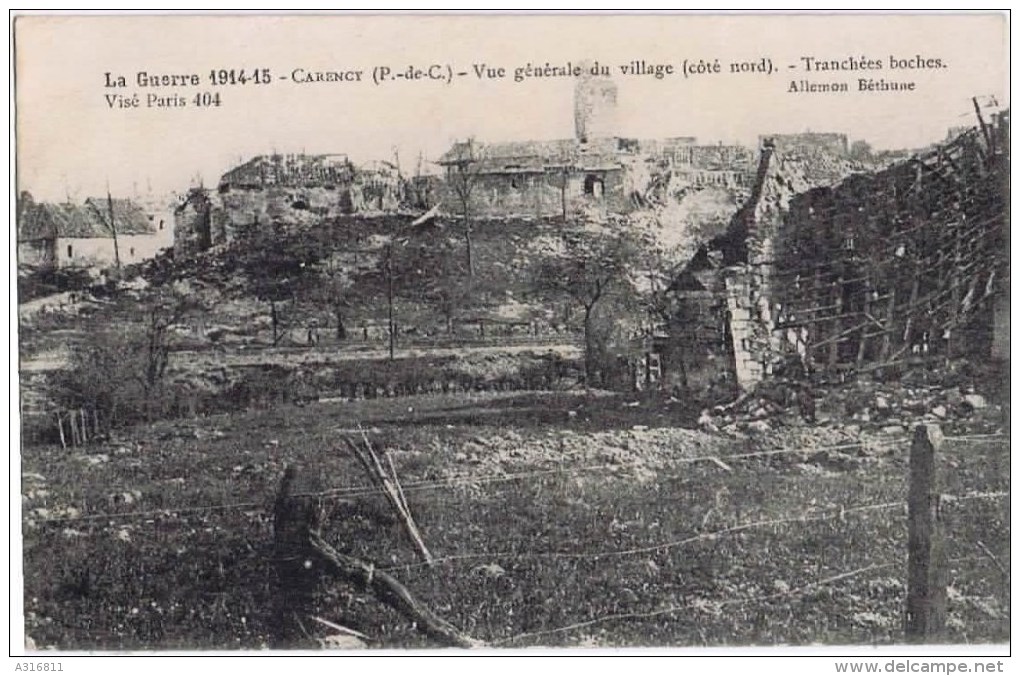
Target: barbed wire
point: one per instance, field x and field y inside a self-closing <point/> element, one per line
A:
<point x="687" y="607"/>
<point x="832" y="579"/>
<point x="994" y="436"/>
<point x="164" y="511"/>
<point x="366" y="491"/>
<point x="495" y="478"/>
<point x="833" y="513"/>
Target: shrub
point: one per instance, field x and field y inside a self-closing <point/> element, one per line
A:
<point x="106" y="375"/>
<point x="119" y="373"/>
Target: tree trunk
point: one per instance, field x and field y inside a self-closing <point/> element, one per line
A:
<point x="341" y="330"/>
<point x="467" y="242"/>
<point x="275" y="320"/>
<point x="589" y="348"/>
<point x="391" y="324"/>
<point x="563" y="196"/>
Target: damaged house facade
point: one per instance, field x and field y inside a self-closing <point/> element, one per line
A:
<point x="293" y="189"/>
<point x="597" y="171"/>
<point x="900" y="266"/>
<point x="98" y="233"/>
<point x="713" y="332"/>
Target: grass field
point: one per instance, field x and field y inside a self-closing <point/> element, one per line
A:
<point x="558" y="519"/>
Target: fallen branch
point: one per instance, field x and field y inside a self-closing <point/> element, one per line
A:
<point x="340" y="628"/>
<point x="388" y="590"/>
<point x="998" y="564"/>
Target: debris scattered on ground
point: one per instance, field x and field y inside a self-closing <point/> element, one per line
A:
<point x="942" y="397"/>
<point x="342" y="642"/>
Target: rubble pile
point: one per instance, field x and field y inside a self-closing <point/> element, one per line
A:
<point x="639" y="451"/>
<point x="772" y="404"/>
<point x="894" y="407"/>
<point x="863" y="405"/>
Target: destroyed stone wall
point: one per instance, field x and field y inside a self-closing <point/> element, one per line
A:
<point x="892" y="265"/>
<point x="541" y="194"/>
<point x="749" y="341"/>
<point x="193" y="224"/>
<point x="809" y="143"/>
<point x="743" y="260"/>
<point x="292" y="191"/>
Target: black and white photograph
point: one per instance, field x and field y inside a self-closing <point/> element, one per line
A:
<point x="484" y="333"/>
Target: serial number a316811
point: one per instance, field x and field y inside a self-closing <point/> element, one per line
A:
<point x="39" y="666"/>
<point x="231" y="76"/>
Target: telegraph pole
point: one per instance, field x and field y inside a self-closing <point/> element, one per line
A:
<point x="113" y="228"/>
<point x="389" y="299"/>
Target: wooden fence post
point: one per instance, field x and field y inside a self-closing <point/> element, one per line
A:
<point x="927" y="569"/>
<point x="84" y="427"/>
<point x="60" y="427"/>
<point x="75" y="437"/>
<point x="294" y="519"/>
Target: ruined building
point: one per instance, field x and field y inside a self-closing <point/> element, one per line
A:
<point x="900" y="266"/>
<point x="597" y="170"/>
<point x="285" y="190"/>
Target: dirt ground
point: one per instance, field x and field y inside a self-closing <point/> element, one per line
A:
<point x="559" y="518"/>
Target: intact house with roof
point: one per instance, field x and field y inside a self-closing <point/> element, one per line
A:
<point x="83" y="235"/>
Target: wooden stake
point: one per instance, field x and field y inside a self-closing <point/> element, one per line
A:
<point x="927" y="568"/>
<point x="396" y="480"/>
<point x="74" y="428"/>
<point x="370" y="461"/>
<point x="60" y="426"/>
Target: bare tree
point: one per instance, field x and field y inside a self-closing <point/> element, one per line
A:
<point x="585" y="270"/>
<point x="165" y="310"/>
<point x="333" y="289"/>
<point x="118" y="372"/>
<point x="463" y="178"/>
<point x="277" y="266"/>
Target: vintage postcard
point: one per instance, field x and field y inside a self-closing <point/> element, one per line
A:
<point x="361" y="332"/>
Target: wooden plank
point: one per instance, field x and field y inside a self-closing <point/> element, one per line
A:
<point x="812" y="310"/>
<point x="890" y="315"/>
<point x="842" y="335"/>
<point x="835" y="328"/>
<point x="908" y="320"/>
<point x="927" y="568"/>
<point x="863" y="337"/>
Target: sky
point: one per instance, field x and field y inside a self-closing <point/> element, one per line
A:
<point x="72" y="143"/>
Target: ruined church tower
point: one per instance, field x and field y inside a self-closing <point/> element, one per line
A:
<point x="594" y="108"/>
